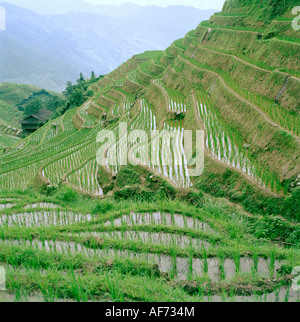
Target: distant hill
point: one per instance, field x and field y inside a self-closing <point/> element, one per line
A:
<point x="13" y="100"/>
<point x="49" y="50"/>
<point x="66" y="6"/>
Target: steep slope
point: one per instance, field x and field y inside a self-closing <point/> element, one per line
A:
<point x="158" y="233"/>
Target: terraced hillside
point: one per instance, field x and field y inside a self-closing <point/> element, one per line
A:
<point x="74" y="229"/>
<point x="13" y="100"/>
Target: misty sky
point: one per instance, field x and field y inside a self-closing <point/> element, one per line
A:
<point x="63" y="6"/>
<point x="201" y="4"/>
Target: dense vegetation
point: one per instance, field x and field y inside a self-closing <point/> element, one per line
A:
<point x="75" y="95"/>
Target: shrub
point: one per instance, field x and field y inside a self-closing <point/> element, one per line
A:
<point x="127" y="176"/>
<point x="291" y="206"/>
<point x="135" y="193"/>
<point x="194" y="198"/>
<point x="103" y="208"/>
<point x="67" y="194"/>
<point x="105" y="180"/>
<point x="275" y="228"/>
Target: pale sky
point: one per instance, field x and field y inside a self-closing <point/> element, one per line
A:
<point x="201" y="4"/>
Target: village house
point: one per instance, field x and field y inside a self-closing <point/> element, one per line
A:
<point x="33" y="122"/>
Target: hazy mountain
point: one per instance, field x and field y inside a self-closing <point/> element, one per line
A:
<point x="49" y="50"/>
<point x="66" y="6"/>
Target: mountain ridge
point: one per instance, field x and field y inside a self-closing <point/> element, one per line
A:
<point x="50" y="50"/>
<point x="62" y="7"/>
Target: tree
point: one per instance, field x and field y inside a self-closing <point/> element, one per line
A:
<point x="32" y="107"/>
<point x="69" y="89"/>
<point x="81" y="79"/>
<point x="75" y="94"/>
<point x="77" y="97"/>
<point x="54" y="103"/>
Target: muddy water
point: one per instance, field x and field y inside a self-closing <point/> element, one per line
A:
<point x="35" y="297"/>
<point x="43" y="219"/>
<point x="179" y="268"/>
<point x="281" y="295"/>
<point x="6" y="206"/>
<point x="42" y="205"/>
<point x="165" y="239"/>
<point x="159" y="218"/>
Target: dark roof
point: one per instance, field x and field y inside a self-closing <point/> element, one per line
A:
<point x="41" y="115"/>
<point x="30" y="121"/>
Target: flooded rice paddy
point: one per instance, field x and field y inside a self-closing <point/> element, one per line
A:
<point x="158" y="218"/>
<point x="179" y="268"/>
<point x="43" y="219"/>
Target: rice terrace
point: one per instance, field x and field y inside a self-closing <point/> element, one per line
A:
<point x="173" y="178"/>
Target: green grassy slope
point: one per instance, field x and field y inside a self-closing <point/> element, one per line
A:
<point x="13" y="100"/>
<point x="7" y="141"/>
<point x="157" y="233"/>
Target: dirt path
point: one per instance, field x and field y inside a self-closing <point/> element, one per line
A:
<point x="237" y="30"/>
<point x="147" y="75"/>
<point x="137" y="84"/>
<point x="176" y="47"/>
<point x="289" y="42"/>
<point x="158" y="65"/>
<point x="249" y="64"/>
<point x="107" y="98"/>
<point x="242" y="99"/>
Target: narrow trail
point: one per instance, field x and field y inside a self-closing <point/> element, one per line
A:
<point x="158" y="65"/>
<point x="254" y="32"/>
<point x="135" y="83"/>
<point x="147" y="75"/>
<point x="176" y="47"/>
<point x="208" y="153"/>
<point x="108" y="99"/>
<point x="80" y="117"/>
<point x="243" y="99"/>
<point x="236" y="30"/>
<point x="249" y="64"/>
<point x="120" y="93"/>
<point x="289" y="42"/>
<point x="62" y="123"/>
